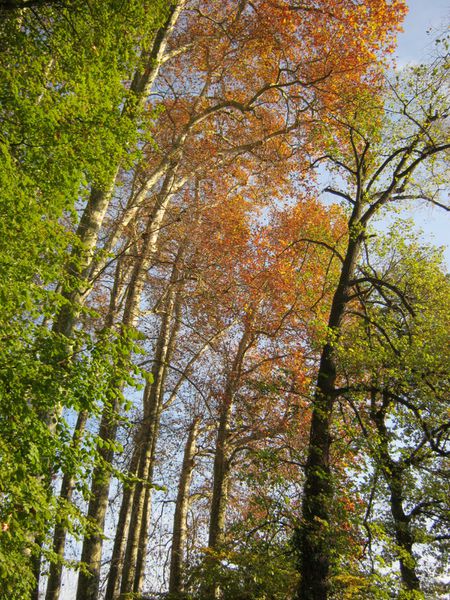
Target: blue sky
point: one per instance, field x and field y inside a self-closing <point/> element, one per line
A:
<point x="415" y="45"/>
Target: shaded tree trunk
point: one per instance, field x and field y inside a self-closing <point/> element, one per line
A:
<point x="313" y="539"/>
<point x="68" y="482"/>
<point x="88" y="582"/>
<point x="393" y="472"/>
<point x="222" y="463"/>
<point x="221" y="474"/>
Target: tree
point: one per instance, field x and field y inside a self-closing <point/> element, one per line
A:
<point x="380" y="160"/>
<point x="111" y="113"/>
<point x="62" y="72"/>
<point x="398" y="365"/>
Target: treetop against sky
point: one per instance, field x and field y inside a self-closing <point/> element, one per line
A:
<point x="425" y="21"/>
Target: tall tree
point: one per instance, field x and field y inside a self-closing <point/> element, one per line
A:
<point x="379" y="167"/>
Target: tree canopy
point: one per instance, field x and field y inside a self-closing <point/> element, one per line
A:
<point x="224" y="350"/>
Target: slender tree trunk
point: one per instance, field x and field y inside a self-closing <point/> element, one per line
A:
<point x="181" y="510"/>
<point x="68" y="482"/>
<point x="137" y="508"/>
<point x="137" y="539"/>
<point x="313" y="539"/>
<point x="144" y="533"/>
<point x="221" y="457"/>
<point x="139" y="574"/>
<point x="393" y="472"/>
<point x="60" y="533"/>
<point x="36" y="565"/>
<point x="113" y="585"/>
<point x="92" y="547"/>
<point x="222" y="464"/>
<point x="88" y="582"/>
<point x="91" y="554"/>
<point x="99" y="199"/>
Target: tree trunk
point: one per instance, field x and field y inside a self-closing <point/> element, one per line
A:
<point x="220" y="477"/>
<point x="137" y="507"/>
<point x="99" y="199"/>
<point x="403" y="535"/>
<point x="139" y="574"/>
<point x="92" y="547"/>
<point x="60" y="533"/>
<point x="393" y="472"/>
<point x="313" y="538"/>
<point x="222" y="464"/>
<point x="68" y="482"/>
<point x="123" y="525"/>
<point x="145" y="522"/>
<point x="88" y="583"/>
<point x="91" y="554"/>
<point x="181" y="510"/>
<point x="137" y="539"/>
<point x="93" y="216"/>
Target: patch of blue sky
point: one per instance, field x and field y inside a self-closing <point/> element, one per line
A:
<point x="426" y="21"/>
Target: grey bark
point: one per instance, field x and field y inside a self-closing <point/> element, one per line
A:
<point x="137" y="538"/>
<point x="181" y="511"/>
<point x="221" y="457"/>
<point x="60" y="533"/>
<point x="123" y="524"/>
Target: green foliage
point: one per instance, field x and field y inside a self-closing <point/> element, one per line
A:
<point x="257" y="571"/>
<point x="32" y="380"/>
<point x="63" y="129"/>
<point x="394" y="360"/>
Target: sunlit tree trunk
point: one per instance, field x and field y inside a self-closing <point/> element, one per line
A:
<point x="181" y="510"/>
<point x="137" y="538"/>
<point x="92" y="547"/>
<point x="99" y="199"/>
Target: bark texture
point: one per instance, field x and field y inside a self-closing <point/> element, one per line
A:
<point x="313" y="537"/>
<point x="181" y="511"/>
<point x="394" y="472"/>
